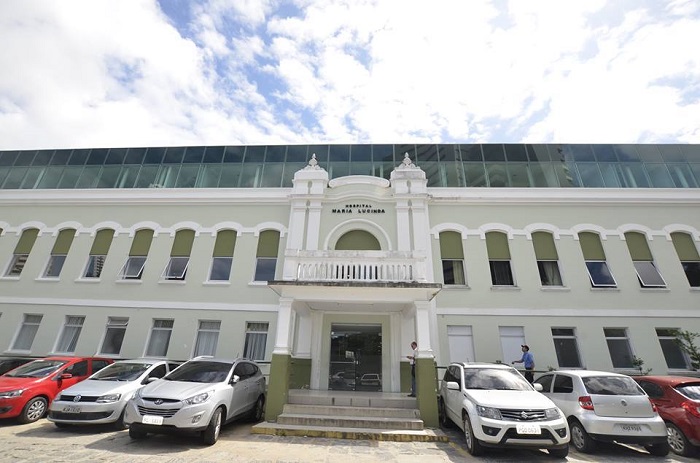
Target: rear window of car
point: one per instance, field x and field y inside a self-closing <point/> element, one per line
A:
<point x="611" y="385"/>
<point x="691" y="391"/>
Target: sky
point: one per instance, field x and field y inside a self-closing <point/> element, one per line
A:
<point x="119" y="73"/>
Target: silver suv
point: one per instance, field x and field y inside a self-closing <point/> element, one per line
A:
<point x="200" y="396"/>
<point x="102" y="397"/>
<point x="496" y="407"/>
<point x="607" y="407"/>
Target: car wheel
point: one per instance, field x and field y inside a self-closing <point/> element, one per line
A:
<point x="258" y="411"/>
<point x="119" y="425"/>
<point x="559" y="453"/>
<point x="580" y="438"/>
<point x="474" y="447"/>
<point x="211" y="434"/>
<point x="136" y="433"/>
<point x="442" y="414"/>
<point x="658" y="450"/>
<point x="678" y="442"/>
<point x="35" y="409"/>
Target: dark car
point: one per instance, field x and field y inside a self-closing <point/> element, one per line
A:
<point x="10" y="363"/>
<point x="678" y="400"/>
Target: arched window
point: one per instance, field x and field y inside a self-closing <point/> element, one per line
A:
<point x="98" y="253"/>
<point x="547" y="258"/>
<point x="22" y="250"/>
<point x="59" y="253"/>
<point x="268" y="244"/>
<point x="688" y="254"/>
<point x="452" y="255"/>
<point x="647" y="273"/>
<point x="594" y="255"/>
<point x="133" y="268"/>
<point x="499" y="259"/>
<point x="179" y="255"/>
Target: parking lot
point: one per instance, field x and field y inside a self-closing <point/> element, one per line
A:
<point x="42" y="441"/>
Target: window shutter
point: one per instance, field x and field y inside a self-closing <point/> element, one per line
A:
<point x="142" y="243"/>
<point x="182" y="246"/>
<point x="497" y="245"/>
<point x="225" y="243"/>
<point x="545" y="249"/>
<point x="451" y="245"/>
<point x="637" y="244"/>
<point x="103" y="240"/>
<point x="591" y="246"/>
<point x="26" y="241"/>
<point x="685" y="247"/>
<point x="63" y="241"/>
<point x="268" y="243"/>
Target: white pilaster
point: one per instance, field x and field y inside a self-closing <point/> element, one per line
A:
<point x="422" y="320"/>
<point x="313" y="227"/>
<point x="285" y="325"/>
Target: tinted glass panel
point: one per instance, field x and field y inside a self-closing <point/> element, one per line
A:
<point x="213" y="154"/>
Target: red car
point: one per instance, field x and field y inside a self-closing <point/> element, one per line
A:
<point x="678" y="400"/>
<point x="26" y="391"/>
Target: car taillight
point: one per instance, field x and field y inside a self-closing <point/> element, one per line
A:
<point x="691" y="407"/>
<point x="585" y="402"/>
<point x="653" y="406"/>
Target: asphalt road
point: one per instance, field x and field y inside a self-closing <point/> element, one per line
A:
<point x="43" y="442"/>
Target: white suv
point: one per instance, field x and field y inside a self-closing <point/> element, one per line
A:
<point x="607" y="407"/>
<point x="201" y="395"/>
<point x="496" y="407"/>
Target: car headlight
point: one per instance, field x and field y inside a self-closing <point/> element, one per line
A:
<point x="9" y="394"/>
<point x="198" y="399"/>
<point x="489" y="412"/>
<point x="552" y="413"/>
<point x="108" y="398"/>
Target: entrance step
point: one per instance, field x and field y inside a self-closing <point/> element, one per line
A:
<point x="351" y="415"/>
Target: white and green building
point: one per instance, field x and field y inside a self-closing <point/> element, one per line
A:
<point x="324" y="262"/>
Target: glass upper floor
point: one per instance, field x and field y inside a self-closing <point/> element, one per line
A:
<point x="446" y="165"/>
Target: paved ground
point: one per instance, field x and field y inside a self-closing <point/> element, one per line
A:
<point x="43" y="442"/>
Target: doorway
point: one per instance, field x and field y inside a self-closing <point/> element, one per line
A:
<point x="355" y="357"/>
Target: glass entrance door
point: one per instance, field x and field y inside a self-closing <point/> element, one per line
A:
<point x="356" y="357"/>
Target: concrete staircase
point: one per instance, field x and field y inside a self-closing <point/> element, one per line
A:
<point x="351" y="415"/>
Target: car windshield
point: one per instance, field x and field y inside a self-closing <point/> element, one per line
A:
<point x="121" y="372"/>
<point x="611" y="385"/>
<point x="495" y="378"/>
<point x="36" y="369"/>
<point x="691" y="391"/>
<point x="201" y="372"/>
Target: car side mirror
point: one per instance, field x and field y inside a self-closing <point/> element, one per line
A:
<point x="452" y="385"/>
<point x="150" y="379"/>
<point x="235" y="379"/>
<point x="65" y="376"/>
<point x="538" y="387"/>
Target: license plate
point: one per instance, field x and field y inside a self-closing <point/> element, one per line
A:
<point x="527" y="428"/>
<point x="148" y="419"/>
<point x="631" y="427"/>
<point x="71" y="409"/>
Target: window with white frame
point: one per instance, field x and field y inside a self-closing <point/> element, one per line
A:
<point x="452" y="256"/>
<point x="98" y="253"/>
<point x="70" y="334"/>
<point x="619" y="347"/>
<point x="596" y="264"/>
<point x="222" y="259"/>
<point x="547" y="259"/>
<point x="461" y="343"/>
<point x="179" y="255"/>
<point x="21" y="253"/>
<point x="207" y="337"/>
<point x="566" y="347"/>
<point x="59" y="253"/>
<point x="160" y="338"/>
<point x="675" y="357"/>
<point x="133" y="268"/>
<point x="512" y="338"/>
<point x="114" y="335"/>
<point x="647" y="273"/>
<point x="266" y="256"/>
<point x="255" y="340"/>
<point x="688" y="255"/>
<point x="27" y="332"/>
<point x="499" y="259"/>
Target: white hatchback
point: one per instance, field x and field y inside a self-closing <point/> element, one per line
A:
<point x="496" y="407"/>
<point x="607" y="407"/>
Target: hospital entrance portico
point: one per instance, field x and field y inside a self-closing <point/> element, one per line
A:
<point x="356" y="288"/>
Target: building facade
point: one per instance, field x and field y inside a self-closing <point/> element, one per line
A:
<point x="324" y="262"/>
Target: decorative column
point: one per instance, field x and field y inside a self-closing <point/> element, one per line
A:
<point x="426" y="370"/>
<point x="280" y="366"/>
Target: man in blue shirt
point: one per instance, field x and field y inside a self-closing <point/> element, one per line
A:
<point x="528" y="362"/>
